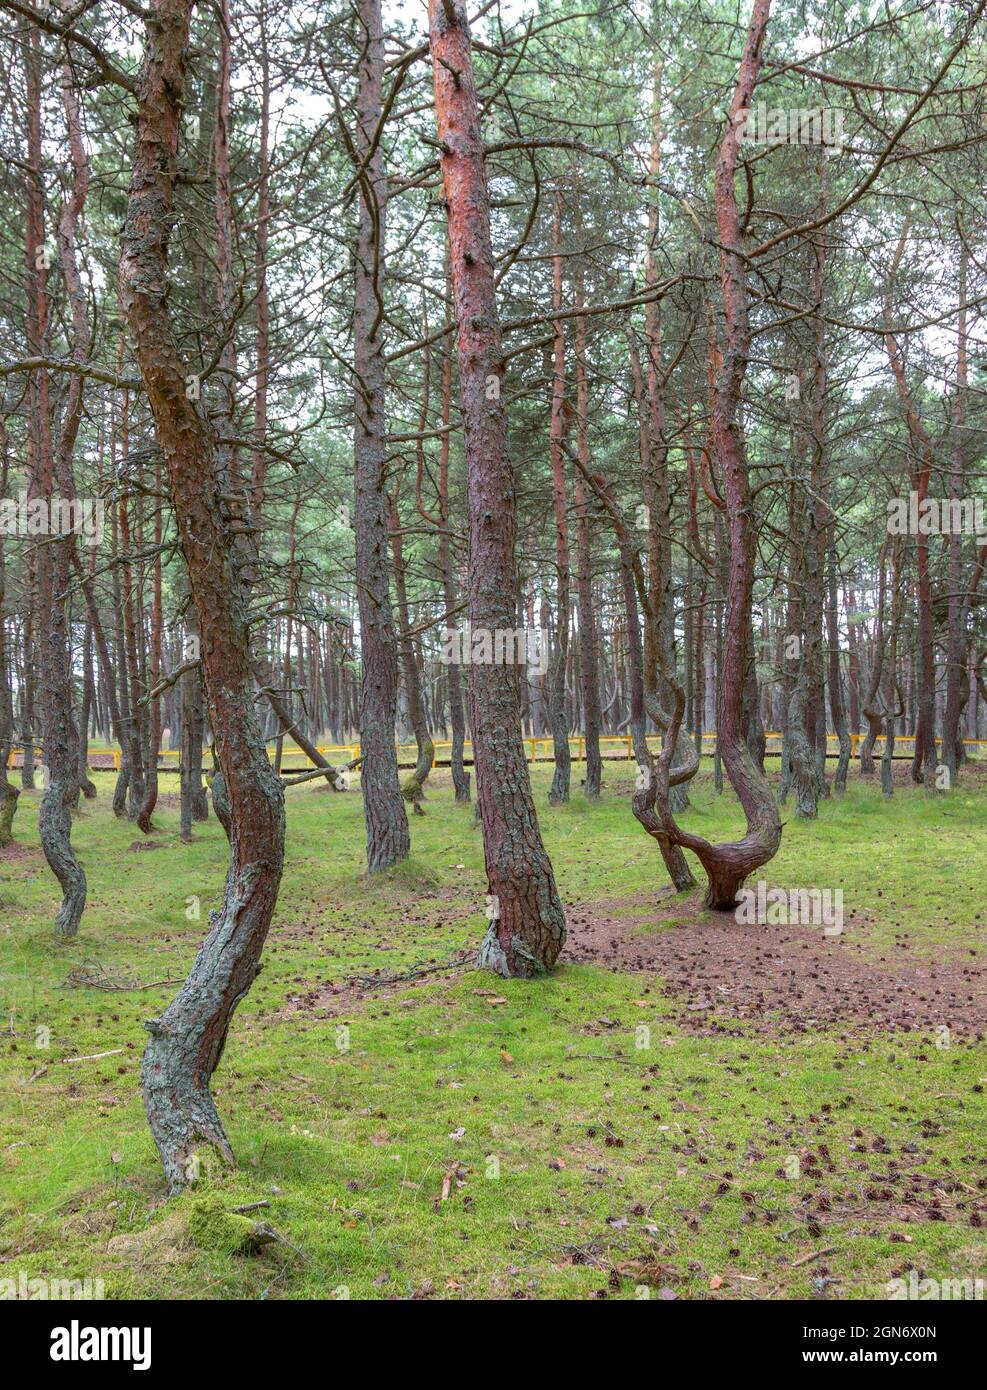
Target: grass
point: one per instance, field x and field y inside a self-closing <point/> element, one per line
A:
<point x="428" y="1141"/>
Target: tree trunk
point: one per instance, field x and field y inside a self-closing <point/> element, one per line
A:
<point x="187" y="1041"/>
<point x="413" y="790"/>
<point x="154" y="726"/>
<point x="956" y="646"/>
<point x="8" y="792"/>
<point x="86" y="784"/>
<point x="559" y="791"/>
<point x="52" y="476"/>
<point x="728" y="865"/>
<point x="837" y="706"/>
<point x="528" y="929"/>
<point x="388" y="839"/>
<point x="920" y="469"/>
<point x="589" y="640"/>
<point x="457" y="717"/>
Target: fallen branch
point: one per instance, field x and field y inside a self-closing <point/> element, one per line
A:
<point x="329" y="772"/>
<point x="95" y="977"/>
<point x="812" y="1255"/>
<point x="412" y="974"/>
<point x="95" y="1056"/>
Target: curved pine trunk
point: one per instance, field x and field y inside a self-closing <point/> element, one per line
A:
<point x="187" y="1042"/>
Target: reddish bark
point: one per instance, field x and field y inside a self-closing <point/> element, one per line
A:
<point x="526" y="935"/>
<point x="259" y="458"/>
<point x="728" y="865"/>
<point x="460" y="777"/>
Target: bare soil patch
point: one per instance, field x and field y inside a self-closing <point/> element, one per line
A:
<point x="787" y="979"/>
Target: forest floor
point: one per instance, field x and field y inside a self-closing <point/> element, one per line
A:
<point x="686" y="1108"/>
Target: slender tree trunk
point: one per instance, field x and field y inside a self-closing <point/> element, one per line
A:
<point x="154" y="728"/>
<point x="187" y="1041"/>
<point x="258" y="470"/>
<point x="589" y="640"/>
<point x="8" y="792"/>
<point x="457" y="717"/>
<point x="559" y="791"/>
<point x="956" y="647"/>
<point x="413" y="789"/>
<point x="118" y="725"/>
<point x="837" y="706"/>
<point x="527" y="930"/>
<point x="388" y="839"/>
<point x="728" y="865"/>
<point x="52" y="476"/>
<point x="920" y="470"/>
<point x="136" y="785"/>
<point x="86" y="784"/>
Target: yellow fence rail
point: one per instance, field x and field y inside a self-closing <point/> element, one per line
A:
<point x="612" y="747"/>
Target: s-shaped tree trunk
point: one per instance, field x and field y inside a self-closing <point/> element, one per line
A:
<point x="187" y="1041"/>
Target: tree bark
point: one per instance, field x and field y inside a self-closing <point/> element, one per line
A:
<point x="589" y="638"/>
<point x="413" y="790"/>
<point x="154" y="723"/>
<point x="8" y="792"/>
<point x="457" y="717"/>
<point x="187" y="1041"/>
<point x="837" y="705"/>
<point x="920" y="469"/>
<point x="58" y="729"/>
<point x="388" y="838"/>
<point x="528" y="931"/>
<point x="728" y="865"/>
<point x="956" y="645"/>
<point x="559" y="790"/>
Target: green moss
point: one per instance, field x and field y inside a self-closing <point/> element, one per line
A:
<point x="212" y="1227"/>
<point x="352" y="1117"/>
